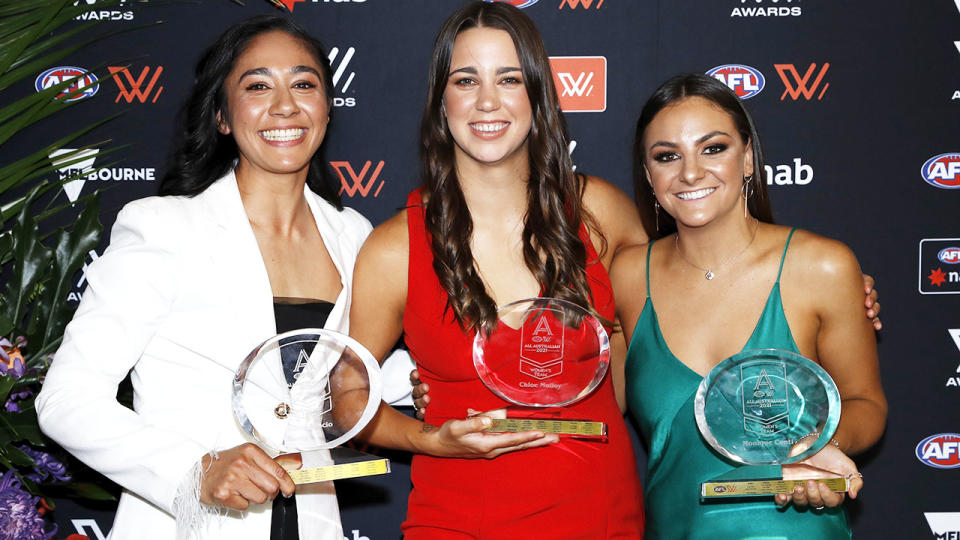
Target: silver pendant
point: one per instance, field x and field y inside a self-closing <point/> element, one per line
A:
<point x="709" y="275"/>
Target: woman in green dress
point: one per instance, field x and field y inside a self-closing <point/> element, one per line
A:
<point x="702" y="196"/>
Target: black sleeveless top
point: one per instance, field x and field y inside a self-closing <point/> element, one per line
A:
<point x="290" y="314"/>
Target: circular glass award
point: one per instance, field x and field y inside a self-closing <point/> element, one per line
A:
<point x="543" y="352"/>
<point x="767" y="406"/>
<point x="307" y="391"/>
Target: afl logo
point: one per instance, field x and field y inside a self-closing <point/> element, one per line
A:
<point x="518" y="3"/>
<point x="745" y="81"/>
<point x="950" y="255"/>
<point x="942" y="171"/>
<point x="83" y="80"/>
<point x="724" y="489"/>
<point x="941" y="451"/>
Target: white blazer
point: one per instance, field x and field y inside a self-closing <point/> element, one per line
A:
<point x="180" y="297"/>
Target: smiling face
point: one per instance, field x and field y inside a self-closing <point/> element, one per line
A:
<point x="485" y="101"/>
<point x="276" y="107"/>
<point x="696" y="160"/>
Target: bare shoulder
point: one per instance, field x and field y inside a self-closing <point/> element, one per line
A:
<point x="822" y="260"/>
<point x="628" y="275"/>
<point x="388" y="245"/>
<point x="615" y="213"/>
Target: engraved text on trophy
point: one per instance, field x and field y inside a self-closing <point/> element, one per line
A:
<point x="541" y="345"/>
<point x="764" y="394"/>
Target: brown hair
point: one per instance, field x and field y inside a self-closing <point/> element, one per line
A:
<point x="552" y="248"/>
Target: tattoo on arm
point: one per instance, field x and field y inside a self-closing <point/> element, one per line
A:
<point x="427" y="428"/>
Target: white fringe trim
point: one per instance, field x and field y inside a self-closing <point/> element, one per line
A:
<point x="194" y="517"/>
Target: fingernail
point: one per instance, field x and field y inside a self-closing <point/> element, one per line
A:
<point x="486" y="422"/>
<point x="285" y="496"/>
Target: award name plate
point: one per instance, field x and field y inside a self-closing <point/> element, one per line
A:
<point x="308" y="392"/>
<point x="543" y="354"/>
<point x="765" y="408"/>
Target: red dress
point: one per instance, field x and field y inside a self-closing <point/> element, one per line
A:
<point x="571" y="489"/>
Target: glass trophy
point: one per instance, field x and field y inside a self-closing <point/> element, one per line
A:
<point x="308" y="392"/>
<point x="765" y="408"/>
<point x="542" y="355"/>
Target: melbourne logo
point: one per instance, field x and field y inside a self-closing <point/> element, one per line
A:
<point x="79" y="166"/>
<point x="581" y="81"/>
<point x="939" y="273"/>
<point x="82" y="86"/>
<point x="796" y="174"/>
<point x="139" y="88"/>
<point x="954" y="380"/>
<point x="805" y="86"/>
<point x="519" y="3"/>
<point x="749" y="8"/>
<point x="342" y="75"/>
<point x="943" y="525"/>
<point x="942" y="171"/>
<point x="744" y="80"/>
<point x="362" y="182"/>
<point x="941" y="451"/>
<point x="585" y="4"/>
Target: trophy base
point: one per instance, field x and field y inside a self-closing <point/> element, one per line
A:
<point x="760" y="481"/>
<point x="336" y="464"/>
<point x="580" y="429"/>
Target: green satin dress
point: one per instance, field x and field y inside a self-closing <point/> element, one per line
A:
<point x="660" y="394"/>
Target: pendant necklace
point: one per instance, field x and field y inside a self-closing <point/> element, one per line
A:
<point x="708" y="272"/>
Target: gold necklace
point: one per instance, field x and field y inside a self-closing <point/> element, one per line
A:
<point x="709" y="273"/>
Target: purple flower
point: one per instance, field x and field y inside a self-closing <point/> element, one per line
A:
<point x="19" y="517"/>
<point x="46" y="465"/>
<point x="11" y="359"/>
<point x="12" y="405"/>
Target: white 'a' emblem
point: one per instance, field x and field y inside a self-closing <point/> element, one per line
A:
<point x="543" y="326"/>
<point x="763" y="380"/>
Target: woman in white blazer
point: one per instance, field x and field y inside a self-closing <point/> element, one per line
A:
<point x="186" y="289"/>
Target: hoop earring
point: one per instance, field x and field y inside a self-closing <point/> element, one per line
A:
<point x="747" y="191"/>
<point x="656" y="213"/>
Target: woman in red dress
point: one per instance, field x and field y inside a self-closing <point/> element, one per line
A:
<point x="501" y="216"/>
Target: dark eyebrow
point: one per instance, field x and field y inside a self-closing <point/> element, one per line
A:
<point x="473" y="71"/>
<point x="701" y="140"/>
<point x="264" y="72"/>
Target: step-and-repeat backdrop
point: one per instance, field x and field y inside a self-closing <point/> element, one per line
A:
<point x="858" y="106"/>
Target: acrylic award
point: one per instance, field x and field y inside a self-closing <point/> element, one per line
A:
<point x="308" y="392"/>
<point x="762" y="409"/>
<point x="542" y="355"/>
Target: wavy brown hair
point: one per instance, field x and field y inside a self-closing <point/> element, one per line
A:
<point x="552" y="248"/>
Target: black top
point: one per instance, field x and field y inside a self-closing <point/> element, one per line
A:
<point x="290" y="314"/>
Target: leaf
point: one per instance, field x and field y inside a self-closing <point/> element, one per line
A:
<point x="16" y="456"/>
<point x="31" y="261"/>
<point x="71" y="251"/>
<point x="26" y="426"/>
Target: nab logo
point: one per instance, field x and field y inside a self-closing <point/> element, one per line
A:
<point x="139" y="88"/>
<point x="745" y="81"/>
<point x="518" y="3"/>
<point x="942" y="171"/>
<point x="936" y="271"/>
<point x="342" y="79"/>
<point x="83" y="82"/>
<point x="352" y="182"/>
<point x="805" y="86"/>
<point x="941" y="451"/>
<point x="585" y="4"/>
<point x="799" y="174"/>
<point x="581" y="81"/>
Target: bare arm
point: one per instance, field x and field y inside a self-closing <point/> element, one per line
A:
<point x="376" y="321"/>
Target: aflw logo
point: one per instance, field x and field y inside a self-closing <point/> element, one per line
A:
<point x="581" y="82"/>
<point x="586" y="4"/>
<point x="797" y="86"/>
<point x="353" y="182"/>
<point x="340" y="75"/>
<point x="135" y="89"/>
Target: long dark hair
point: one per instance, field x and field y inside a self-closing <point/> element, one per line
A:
<point x="672" y="91"/>
<point x="552" y="248"/>
<point x="201" y="153"/>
